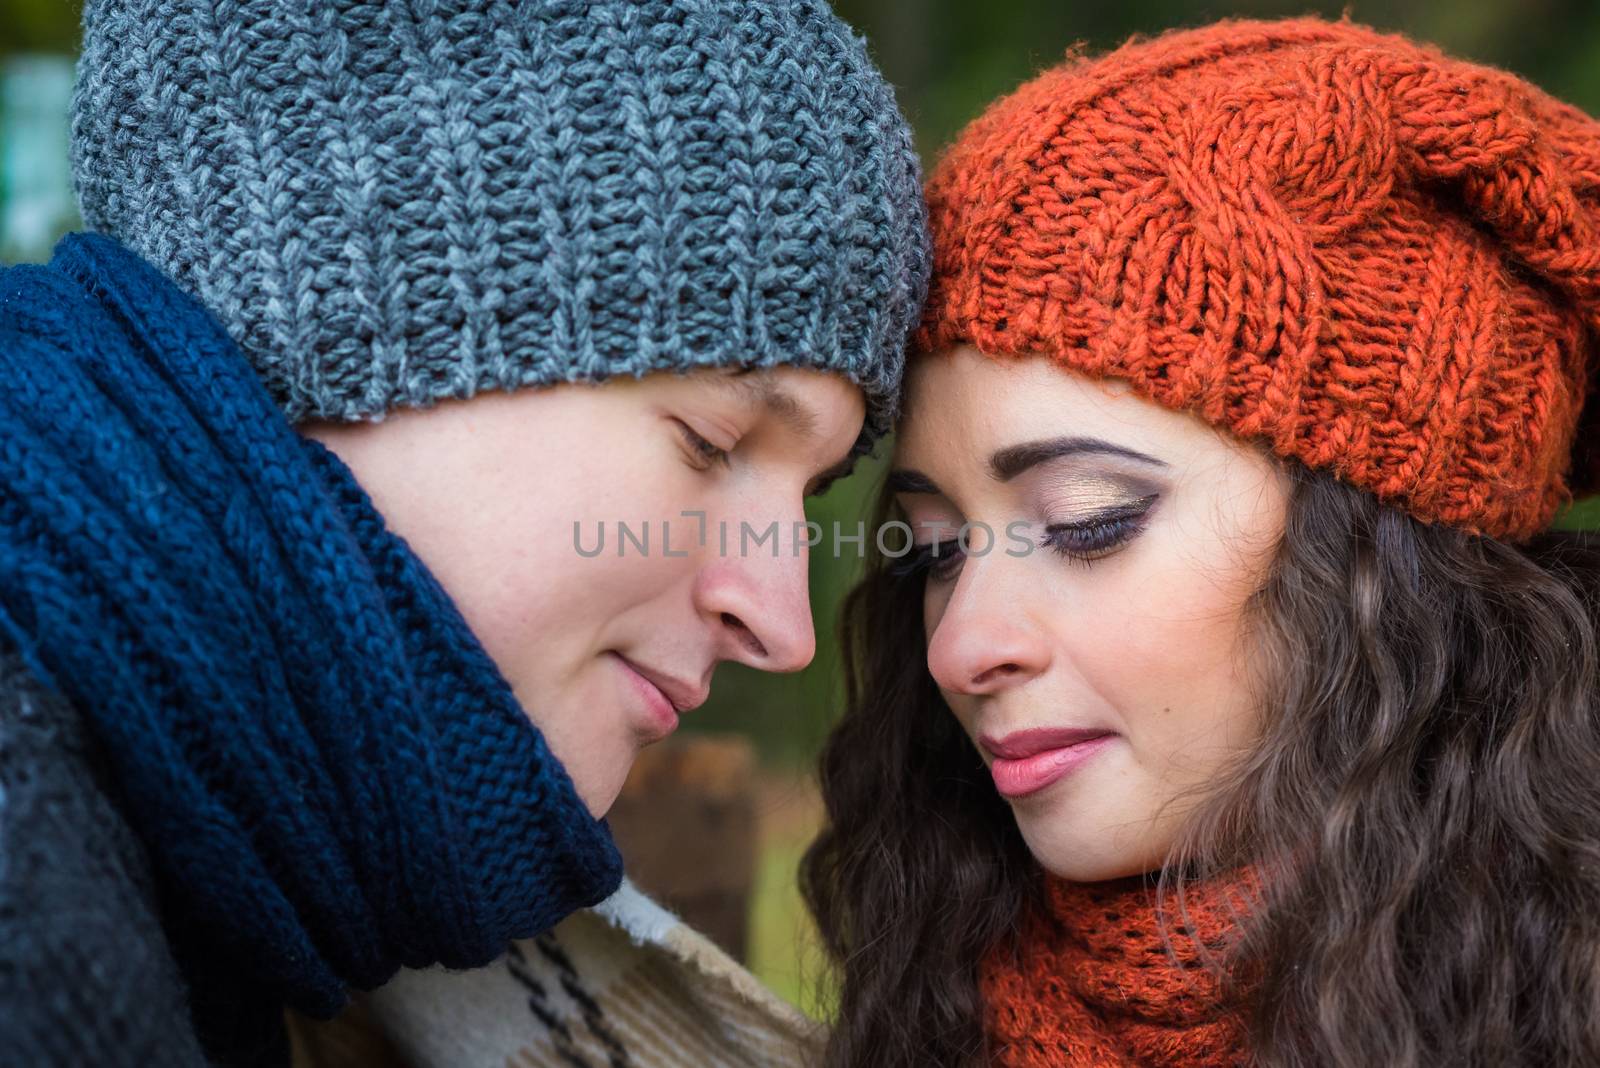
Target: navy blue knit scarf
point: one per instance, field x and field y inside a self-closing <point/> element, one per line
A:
<point x="332" y="778"/>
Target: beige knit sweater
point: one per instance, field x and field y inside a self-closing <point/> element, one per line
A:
<point x="624" y="984"/>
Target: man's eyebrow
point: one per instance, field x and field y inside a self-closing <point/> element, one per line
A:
<point x="1006" y="464"/>
<point x="905" y="480"/>
<point x="763" y="392"/>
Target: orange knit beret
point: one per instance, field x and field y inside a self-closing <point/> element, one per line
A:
<point x="1377" y="259"/>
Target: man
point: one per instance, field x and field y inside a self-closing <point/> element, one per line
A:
<point x="308" y="669"/>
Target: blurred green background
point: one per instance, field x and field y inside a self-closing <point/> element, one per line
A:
<point x="946" y="59"/>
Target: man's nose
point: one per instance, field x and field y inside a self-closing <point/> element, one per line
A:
<point x="760" y="609"/>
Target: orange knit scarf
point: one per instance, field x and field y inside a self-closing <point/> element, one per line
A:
<point x="1091" y="982"/>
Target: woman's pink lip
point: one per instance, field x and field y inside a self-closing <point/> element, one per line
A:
<point x="1019" y="745"/>
<point x="1038" y="764"/>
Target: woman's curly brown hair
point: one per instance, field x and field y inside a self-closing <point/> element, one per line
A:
<point x="1426" y="785"/>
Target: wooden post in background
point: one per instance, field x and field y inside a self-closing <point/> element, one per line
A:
<point x="686" y="826"/>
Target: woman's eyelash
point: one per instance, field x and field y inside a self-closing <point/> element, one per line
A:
<point x="1082" y="541"/>
<point x="922" y="559"/>
<point x="1086" y="540"/>
<point x="706" y="452"/>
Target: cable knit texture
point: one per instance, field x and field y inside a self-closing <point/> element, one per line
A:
<point x="1374" y="258"/>
<point x="392" y="203"/>
<point x="1092" y="984"/>
<point x="329" y="773"/>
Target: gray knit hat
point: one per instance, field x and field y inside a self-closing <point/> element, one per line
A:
<point x="391" y="203"/>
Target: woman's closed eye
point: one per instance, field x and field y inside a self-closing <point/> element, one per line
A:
<point x="1080" y="541"/>
<point x="938" y="560"/>
<point x="1087" y="540"/>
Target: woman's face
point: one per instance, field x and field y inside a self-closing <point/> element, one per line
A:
<point x="1096" y="654"/>
<point x="506" y="498"/>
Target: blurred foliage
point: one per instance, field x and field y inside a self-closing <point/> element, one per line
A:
<point x="36" y="201"/>
<point x="947" y="58"/>
<point x="785" y="949"/>
<point x="39" y="26"/>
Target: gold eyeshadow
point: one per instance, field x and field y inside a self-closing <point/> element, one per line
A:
<point x="1087" y="494"/>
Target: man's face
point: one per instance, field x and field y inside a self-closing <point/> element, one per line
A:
<point x="507" y="496"/>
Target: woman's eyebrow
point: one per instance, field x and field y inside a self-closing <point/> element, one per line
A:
<point x="1007" y="463"/>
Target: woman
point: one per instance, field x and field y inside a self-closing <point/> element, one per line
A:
<point x="305" y="676"/>
<point x="1234" y="704"/>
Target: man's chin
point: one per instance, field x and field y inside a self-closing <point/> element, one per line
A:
<point x="600" y="797"/>
<point x="597" y="769"/>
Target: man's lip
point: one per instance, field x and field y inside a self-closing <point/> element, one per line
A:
<point x="683" y="696"/>
<point x="1019" y="745"/>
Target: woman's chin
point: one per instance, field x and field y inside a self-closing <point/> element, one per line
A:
<point x="1086" y="858"/>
